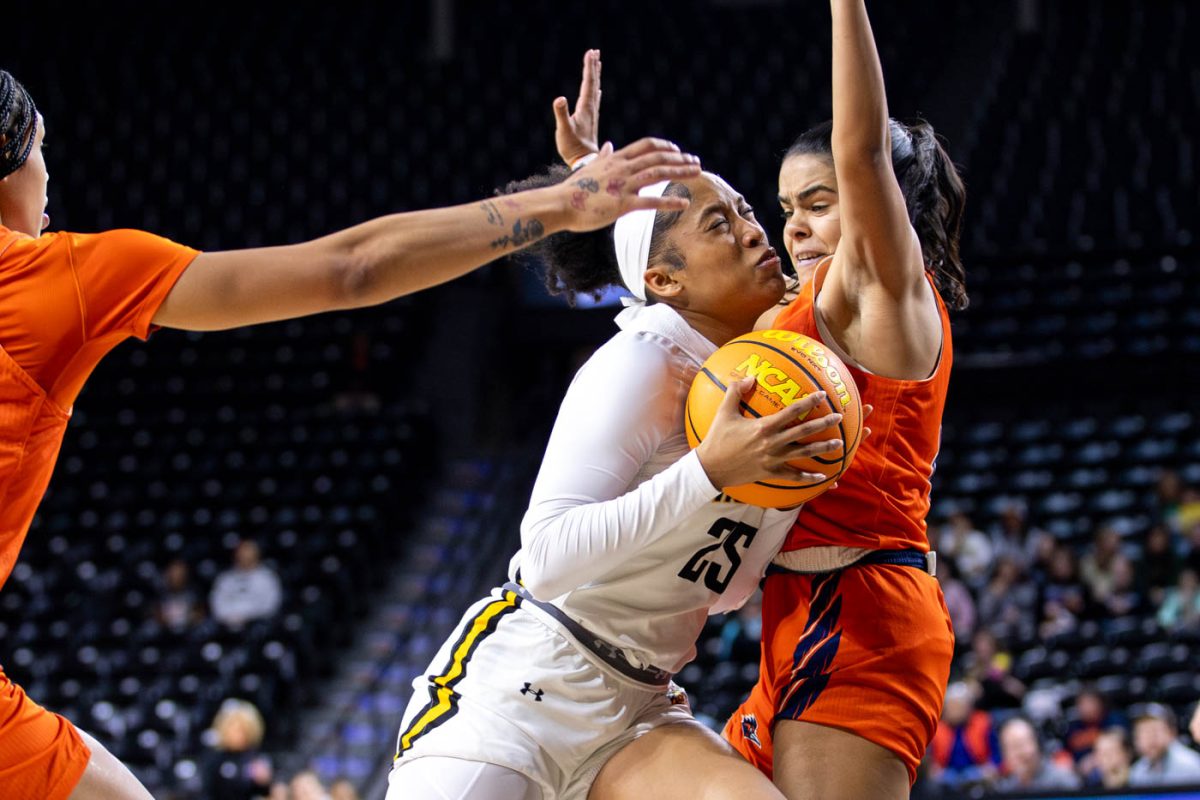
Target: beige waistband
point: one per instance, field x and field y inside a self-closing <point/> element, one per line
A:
<point x="819" y="559"/>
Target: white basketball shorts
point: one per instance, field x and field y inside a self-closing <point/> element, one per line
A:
<point x="508" y="689"/>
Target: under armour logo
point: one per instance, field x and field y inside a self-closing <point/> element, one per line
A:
<point x="750" y="729"/>
<point x="537" y="693"/>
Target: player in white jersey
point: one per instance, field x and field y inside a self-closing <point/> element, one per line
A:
<point x="628" y="543"/>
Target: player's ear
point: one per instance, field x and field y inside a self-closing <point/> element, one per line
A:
<point x="662" y="281"/>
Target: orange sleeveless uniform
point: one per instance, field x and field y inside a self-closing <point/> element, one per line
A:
<point x="865" y="649"/>
<point x="65" y="301"/>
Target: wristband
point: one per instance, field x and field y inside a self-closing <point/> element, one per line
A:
<point x="583" y="161"/>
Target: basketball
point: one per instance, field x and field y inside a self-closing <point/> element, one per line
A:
<point x="786" y="366"/>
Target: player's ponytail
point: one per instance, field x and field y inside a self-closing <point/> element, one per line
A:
<point x="586" y="263"/>
<point x="933" y="193"/>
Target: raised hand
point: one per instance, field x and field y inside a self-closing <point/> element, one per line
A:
<point x="576" y="133"/>
<point x="741" y="450"/>
<point x="608" y="187"/>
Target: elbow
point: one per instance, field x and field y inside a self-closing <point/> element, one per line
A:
<point x="541" y="575"/>
<point x="538" y="583"/>
<point x="352" y="277"/>
<point x="352" y="281"/>
<point x="861" y="154"/>
<point x="542" y="581"/>
<point x="868" y="146"/>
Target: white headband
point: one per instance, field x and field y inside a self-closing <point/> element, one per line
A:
<point x="632" y="239"/>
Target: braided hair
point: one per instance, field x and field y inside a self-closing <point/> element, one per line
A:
<point x="18" y="124"/>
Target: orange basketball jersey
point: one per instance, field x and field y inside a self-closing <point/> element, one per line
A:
<point x="66" y="300"/>
<point x="883" y="498"/>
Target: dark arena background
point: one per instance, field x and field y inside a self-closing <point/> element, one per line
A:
<point x="382" y="459"/>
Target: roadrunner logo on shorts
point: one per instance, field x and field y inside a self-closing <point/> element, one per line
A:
<point x="750" y="729"/>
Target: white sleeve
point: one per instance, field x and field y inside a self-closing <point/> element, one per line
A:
<point x="583" y="519"/>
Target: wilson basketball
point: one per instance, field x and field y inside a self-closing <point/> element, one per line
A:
<point x="786" y="366"/>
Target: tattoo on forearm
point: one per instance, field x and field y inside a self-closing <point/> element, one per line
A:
<point x="494" y="217"/>
<point x="521" y="235"/>
<point x="590" y="185"/>
<point x="578" y="200"/>
<point x="614" y="186"/>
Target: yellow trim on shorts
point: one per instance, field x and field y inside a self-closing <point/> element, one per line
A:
<point x="443" y="701"/>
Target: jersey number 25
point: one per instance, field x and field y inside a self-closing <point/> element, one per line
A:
<point x="729" y="535"/>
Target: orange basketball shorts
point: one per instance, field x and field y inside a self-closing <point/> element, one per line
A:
<point x="865" y="649"/>
<point x="41" y="754"/>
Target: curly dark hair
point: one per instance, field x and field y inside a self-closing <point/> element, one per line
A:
<point x="586" y="263"/>
<point x="933" y="192"/>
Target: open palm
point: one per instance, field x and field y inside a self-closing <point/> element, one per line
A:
<point x="576" y="133"/>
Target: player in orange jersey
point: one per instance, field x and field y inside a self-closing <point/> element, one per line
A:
<point x="67" y="299"/>
<point x="857" y="643"/>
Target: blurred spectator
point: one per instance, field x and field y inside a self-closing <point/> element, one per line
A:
<point x="1159" y="565"/>
<point x="969" y="547"/>
<point x="179" y="606"/>
<point x="1011" y="537"/>
<point x="236" y="769"/>
<point x="248" y="591"/>
<point x="1026" y="768"/>
<point x="1007" y="603"/>
<point x="964" y="746"/>
<point x="1187" y="514"/>
<point x="1044" y="548"/>
<point x="1063" y="600"/>
<point x="958" y="598"/>
<point x="990" y="668"/>
<point x="1194" y="726"/>
<point x="1167" y="495"/>
<point x="307" y="786"/>
<point x="1113" y="758"/>
<point x="1181" y="605"/>
<point x="1095" y="568"/>
<point x="1164" y="760"/>
<point x="1123" y="598"/>
<point x="1092" y="718"/>
<point x="343" y="789"/>
<point x="279" y="791"/>
<point x="1191" y="558"/>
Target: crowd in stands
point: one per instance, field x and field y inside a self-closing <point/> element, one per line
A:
<point x="1011" y="587"/>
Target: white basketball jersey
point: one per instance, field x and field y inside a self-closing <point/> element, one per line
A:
<point x="624" y="532"/>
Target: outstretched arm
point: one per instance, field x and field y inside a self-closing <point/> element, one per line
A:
<point x="878" y="245"/>
<point x="399" y="254"/>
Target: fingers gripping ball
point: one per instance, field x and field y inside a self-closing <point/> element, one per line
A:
<point x="786" y="367"/>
